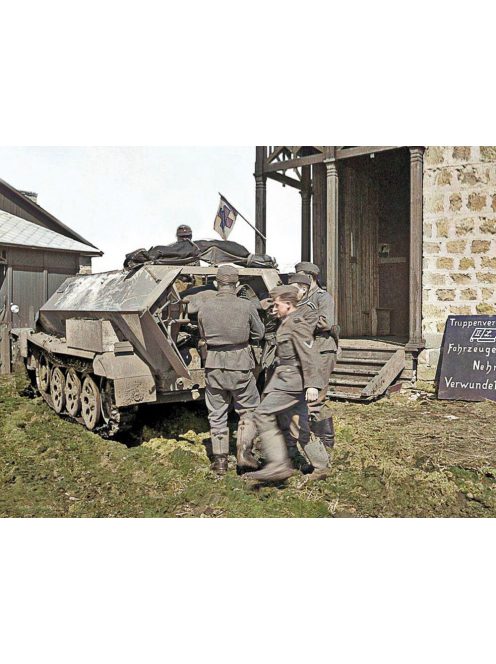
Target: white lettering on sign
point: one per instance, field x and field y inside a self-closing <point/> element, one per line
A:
<point x="469" y="384"/>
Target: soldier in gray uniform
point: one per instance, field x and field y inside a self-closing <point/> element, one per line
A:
<point x="227" y="324"/>
<point x="184" y="233"/>
<point x="295" y="381"/>
<point x="325" y="333"/>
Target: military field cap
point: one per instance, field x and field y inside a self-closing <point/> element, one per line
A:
<point x="184" y="231"/>
<point x="308" y="268"/>
<point x="227" y="274"/>
<point x="289" y="293"/>
<point x="300" y="278"/>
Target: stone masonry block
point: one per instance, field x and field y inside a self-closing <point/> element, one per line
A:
<point x="468" y="294"/>
<point x="488" y="261"/>
<point x="466" y="263"/>
<point x="455" y="202"/>
<point x="443" y="177"/>
<point x="444" y="263"/>
<point x="462" y="153"/>
<point x="488" y="152"/>
<point x="485" y="308"/>
<point x="442" y="227"/>
<point x="461" y="278"/>
<point x="474" y="175"/>
<point x="431" y="311"/>
<point x="486" y="277"/>
<point x="488" y="226"/>
<point x="431" y="247"/>
<point x="456" y="246"/>
<point x="434" y="279"/>
<point x="426" y="373"/>
<point x="480" y="246"/>
<point x="464" y="226"/>
<point x="445" y="294"/>
<point x="434" y="155"/>
<point x="476" y="201"/>
<point x="488" y="294"/>
<point x="493" y="203"/>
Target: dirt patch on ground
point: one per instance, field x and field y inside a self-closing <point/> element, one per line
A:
<point x="404" y="456"/>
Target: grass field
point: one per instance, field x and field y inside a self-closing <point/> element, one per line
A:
<point x="400" y="457"/>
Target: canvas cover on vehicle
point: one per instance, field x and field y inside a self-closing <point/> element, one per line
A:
<point x="213" y="252"/>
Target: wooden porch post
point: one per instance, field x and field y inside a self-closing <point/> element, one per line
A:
<point x="260" y="200"/>
<point x="416" y="342"/>
<point x="306" y="202"/>
<point x="319" y="215"/>
<point x="332" y="229"/>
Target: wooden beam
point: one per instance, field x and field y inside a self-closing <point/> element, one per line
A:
<point x="260" y="200"/>
<point x="379" y="383"/>
<point x="294" y="163"/>
<point x="275" y="153"/>
<point x="284" y="179"/>
<point x="360" y="151"/>
<point x="416" y="342"/>
<point x="319" y="235"/>
<point x="306" y="219"/>
<point x="332" y="231"/>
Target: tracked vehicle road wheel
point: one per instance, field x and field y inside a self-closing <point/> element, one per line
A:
<point x="91" y="403"/>
<point x="72" y="393"/>
<point x="42" y="374"/>
<point x="57" y="388"/>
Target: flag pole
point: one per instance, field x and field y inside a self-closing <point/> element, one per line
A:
<point x="245" y="219"/>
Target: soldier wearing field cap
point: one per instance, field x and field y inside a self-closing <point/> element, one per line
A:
<point x="227" y="324"/>
<point x="325" y="333"/>
<point x="296" y="380"/>
<point x="184" y="232"/>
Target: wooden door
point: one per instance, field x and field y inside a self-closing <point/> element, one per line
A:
<point x="358" y="251"/>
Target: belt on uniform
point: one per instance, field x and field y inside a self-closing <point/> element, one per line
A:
<point x="288" y="363"/>
<point x="324" y="335"/>
<point x="228" y="347"/>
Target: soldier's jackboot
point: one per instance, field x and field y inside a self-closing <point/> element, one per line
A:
<point x="315" y="452"/>
<point x="278" y="466"/>
<point x="220" y="450"/>
<point x="219" y="464"/>
<point x="246" y="435"/>
<point x="324" y="429"/>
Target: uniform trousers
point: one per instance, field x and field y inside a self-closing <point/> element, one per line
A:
<point x="223" y="388"/>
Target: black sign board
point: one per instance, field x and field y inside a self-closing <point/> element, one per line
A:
<point x="468" y="364"/>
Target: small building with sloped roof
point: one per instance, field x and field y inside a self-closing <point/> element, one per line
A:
<point x="37" y="253"/>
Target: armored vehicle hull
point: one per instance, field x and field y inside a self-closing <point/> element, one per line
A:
<point x="106" y="343"/>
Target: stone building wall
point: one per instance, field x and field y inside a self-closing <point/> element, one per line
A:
<point x="459" y="256"/>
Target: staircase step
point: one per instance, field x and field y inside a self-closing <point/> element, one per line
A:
<point x="361" y="360"/>
<point x="350" y="370"/>
<point x="348" y="382"/>
<point x="347" y="395"/>
<point x="366" y="354"/>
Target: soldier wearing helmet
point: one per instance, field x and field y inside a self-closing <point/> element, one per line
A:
<point x="227" y="325"/>
<point x="184" y="232"/>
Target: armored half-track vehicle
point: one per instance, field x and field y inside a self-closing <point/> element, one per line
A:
<point x="106" y="343"/>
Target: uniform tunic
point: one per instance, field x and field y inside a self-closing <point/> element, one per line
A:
<point x="283" y="405"/>
<point x="228" y="324"/>
<point x="318" y="309"/>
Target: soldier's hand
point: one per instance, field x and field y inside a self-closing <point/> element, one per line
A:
<point x="312" y="394"/>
